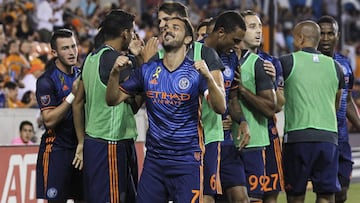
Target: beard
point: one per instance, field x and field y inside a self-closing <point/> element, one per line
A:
<point x="171" y="45"/>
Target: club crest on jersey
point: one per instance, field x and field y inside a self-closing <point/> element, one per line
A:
<point x="184" y="83"/>
<point x="45" y="100"/>
<point x="227" y="71"/>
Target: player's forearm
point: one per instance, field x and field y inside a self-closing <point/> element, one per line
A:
<point x="352" y="112"/>
<point x="280" y="100"/>
<point x="216" y="97"/>
<point x="52" y="117"/>
<point x="79" y="119"/>
<point x="234" y="107"/>
<point x="113" y="92"/>
<point x="264" y="102"/>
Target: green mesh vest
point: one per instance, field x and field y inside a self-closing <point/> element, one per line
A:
<point x="258" y="123"/>
<point x="102" y="121"/>
<point x="310" y="92"/>
<point x="212" y="122"/>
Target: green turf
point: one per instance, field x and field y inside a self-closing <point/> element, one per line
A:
<point x="353" y="195"/>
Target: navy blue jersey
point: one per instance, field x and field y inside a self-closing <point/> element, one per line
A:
<point x="231" y="63"/>
<point x="349" y="81"/>
<point x="51" y="89"/>
<point x="279" y="79"/>
<point x="173" y="108"/>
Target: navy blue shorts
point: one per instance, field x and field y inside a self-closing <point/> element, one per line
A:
<point x="254" y="162"/>
<point x="274" y="180"/>
<point x="315" y="161"/>
<point x="56" y="177"/>
<point x="110" y="170"/>
<point x="212" y="184"/>
<point x="162" y="180"/>
<point x="232" y="170"/>
<point x="345" y="164"/>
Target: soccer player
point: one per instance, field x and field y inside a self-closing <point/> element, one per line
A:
<point x="211" y="121"/>
<point x="273" y="166"/>
<point x="229" y="28"/>
<point x="56" y="178"/>
<point x="173" y="87"/>
<point x="310" y="140"/>
<point x="110" y="163"/>
<point x="328" y="41"/>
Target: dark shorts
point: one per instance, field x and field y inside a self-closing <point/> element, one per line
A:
<point x="274" y="181"/>
<point x="315" y="161"/>
<point x="110" y="170"/>
<point x="254" y="162"/>
<point x="56" y="177"/>
<point x="345" y="164"/>
<point x="232" y="170"/>
<point x="212" y="183"/>
<point x="161" y="181"/>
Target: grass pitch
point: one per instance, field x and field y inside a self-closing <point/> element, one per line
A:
<point x="353" y="195"/>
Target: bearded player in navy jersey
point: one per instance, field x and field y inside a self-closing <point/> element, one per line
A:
<point x="56" y="178"/>
<point x="174" y="86"/>
<point x="329" y="37"/>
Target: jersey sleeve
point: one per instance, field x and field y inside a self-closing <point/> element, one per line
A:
<point x="203" y="85"/>
<point x="135" y="83"/>
<point x="279" y="81"/>
<point x="263" y="80"/>
<point x="107" y="61"/>
<point x="340" y="75"/>
<point x="45" y="93"/>
<point x="211" y="58"/>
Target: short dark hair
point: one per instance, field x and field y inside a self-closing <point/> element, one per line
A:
<point x="23" y="123"/>
<point x="229" y="20"/>
<point x="115" y="22"/>
<point x="248" y="13"/>
<point x="203" y="23"/>
<point x="10" y="85"/>
<point x="174" y="7"/>
<point x="328" y="19"/>
<point x="60" y="33"/>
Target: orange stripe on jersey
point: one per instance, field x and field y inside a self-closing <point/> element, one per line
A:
<point x="202" y="148"/>
<point x="122" y="89"/>
<point x="48" y="107"/>
<point x="277" y="150"/>
<point x="201" y="131"/>
<point x="218" y="182"/>
<point x="201" y="195"/>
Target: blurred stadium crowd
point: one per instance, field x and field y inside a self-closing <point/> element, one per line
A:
<point x="26" y="26"/>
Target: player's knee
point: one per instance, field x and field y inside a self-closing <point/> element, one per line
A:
<point x="239" y="198"/>
<point x="209" y="199"/>
<point x="341" y="196"/>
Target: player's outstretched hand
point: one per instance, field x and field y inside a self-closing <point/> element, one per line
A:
<point x="78" y="159"/>
<point x="150" y="48"/>
<point x="270" y="70"/>
<point x="243" y="134"/>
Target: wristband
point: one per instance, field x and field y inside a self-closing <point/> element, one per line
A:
<point x="70" y="98"/>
